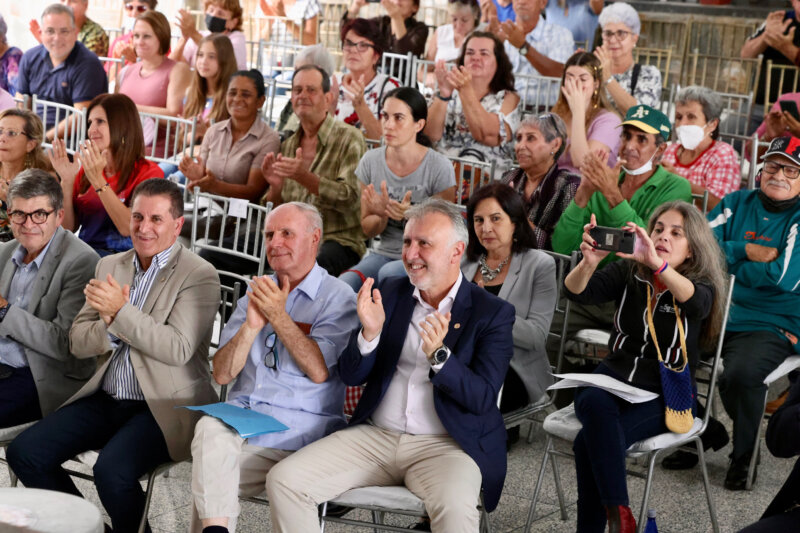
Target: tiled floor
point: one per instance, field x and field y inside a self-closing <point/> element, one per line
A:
<point x="678" y="497"/>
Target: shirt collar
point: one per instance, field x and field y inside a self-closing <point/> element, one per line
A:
<point x="160" y="259"/>
<point x="255" y="129"/>
<point x="448" y="298"/>
<point x="21" y="252"/>
<point x="538" y="32"/>
<point x="310" y="284"/>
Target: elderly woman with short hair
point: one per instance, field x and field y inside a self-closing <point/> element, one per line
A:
<point x="709" y="164"/>
<point x="545" y="188"/>
<point x="628" y="83"/>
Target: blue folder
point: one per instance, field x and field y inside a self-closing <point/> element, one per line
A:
<point x="246" y="422"/>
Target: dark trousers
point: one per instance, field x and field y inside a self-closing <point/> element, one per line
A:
<point x="130" y="443"/>
<point x="788" y="522"/>
<point x="748" y="358"/>
<point x="336" y="258"/>
<point x="19" y="401"/>
<point x="610" y="426"/>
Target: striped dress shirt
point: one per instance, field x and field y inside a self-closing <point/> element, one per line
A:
<point x="120" y="380"/>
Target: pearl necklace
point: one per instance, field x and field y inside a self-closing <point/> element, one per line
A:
<point x="488" y="274"/>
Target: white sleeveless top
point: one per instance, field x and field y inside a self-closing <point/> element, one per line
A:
<point x="445" y="44"/>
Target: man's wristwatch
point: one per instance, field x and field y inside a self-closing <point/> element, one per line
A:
<point x="524" y="49"/>
<point x="3" y="311"/>
<point x="440" y="355"/>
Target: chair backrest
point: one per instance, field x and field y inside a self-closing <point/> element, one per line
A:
<point x="661" y="58"/>
<point x="722" y="73"/>
<point x="373" y="143"/>
<point x="470" y="175"/>
<point x="240" y="226"/>
<point x="781" y="79"/>
<point x="52" y="113"/>
<point x="400" y="66"/>
<point x="277" y="92"/>
<point x="423" y="66"/>
<point x="563" y="265"/>
<point x="720" y="35"/>
<point x="736" y="110"/>
<point x="330" y="18"/>
<point x="665" y="30"/>
<point x="746" y="148"/>
<point x="114" y="65"/>
<point x="229" y="295"/>
<point x="253" y="47"/>
<point x="167" y="137"/>
<point x="276" y="59"/>
<point x="701" y="201"/>
<point x="433" y="15"/>
<point x="537" y="93"/>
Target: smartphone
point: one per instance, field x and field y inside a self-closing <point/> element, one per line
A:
<point x="613" y="239"/>
<point x="790" y="106"/>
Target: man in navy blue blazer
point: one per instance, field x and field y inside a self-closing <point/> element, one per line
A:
<point x="434" y="350"/>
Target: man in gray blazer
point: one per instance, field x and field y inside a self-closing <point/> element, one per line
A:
<point x="150" y="311"/>
<point x="43" y="273"/>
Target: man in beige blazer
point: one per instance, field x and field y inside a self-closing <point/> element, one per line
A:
<point x="150" y="312"/>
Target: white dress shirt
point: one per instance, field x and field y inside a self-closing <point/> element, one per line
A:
<point x="407" y="406"/>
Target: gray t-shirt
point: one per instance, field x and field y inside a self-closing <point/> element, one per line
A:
<point x="434" y="175"/>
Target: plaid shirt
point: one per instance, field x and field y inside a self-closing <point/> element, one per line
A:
<point x="339" y="149"/>
<point x="550" y="198"/>
<point x="94" y="37"/>
<point x="717" y="168"/>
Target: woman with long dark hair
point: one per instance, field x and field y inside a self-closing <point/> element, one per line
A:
<point x="99" y="181"/>
<point x="393" y="177"/>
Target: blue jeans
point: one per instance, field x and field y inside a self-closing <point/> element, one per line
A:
<point x="373" y="265"/>
<point x="610" y="426"/>
<point x="130" y="443"/>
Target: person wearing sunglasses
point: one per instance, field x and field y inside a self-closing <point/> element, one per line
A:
<point x="757" y="230"/>
<point x="280" y="354"/>
<point x="627" y="83"/>
<point x="122" y="46"/>
<point x="21" y="135"/>
<point x="361" y="90"/>
<point x="44" y="271"/>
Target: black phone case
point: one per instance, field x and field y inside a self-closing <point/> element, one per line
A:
<point x="613" y="239"/>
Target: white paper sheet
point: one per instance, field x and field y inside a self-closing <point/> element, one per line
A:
<point x="627" y="392"/>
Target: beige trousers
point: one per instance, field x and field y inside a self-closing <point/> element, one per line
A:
<point x="224" y="467"/>
<point x="435" y="468"/>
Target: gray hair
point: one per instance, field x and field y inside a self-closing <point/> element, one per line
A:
<point x="621" y="12"/>
<point x="59" y="9"/>
<point x="3" y="30"/>
<point x="309" y="211"/>
<point x="316" y="55"/>
<point x="551" y="126"/>
<point x="709" y="100"/>
<point x="35" y="182"/>
<point x="443" y="207"/>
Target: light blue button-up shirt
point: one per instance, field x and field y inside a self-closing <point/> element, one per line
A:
<point x="311" y="410"/>
<point x="12" y="353"/>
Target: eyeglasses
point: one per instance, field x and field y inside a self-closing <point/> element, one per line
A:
<point x="621" y="35"/>
<point x="271" y="357"/>
<point x="139" y="8"/>
<point x="361" y="46"/>
<point x="771" y="167"/>
<point x="51" y="32"/>
<point x="549" y="118"/>
<point x="11" y="133"/>
<point x="39" y="216"/>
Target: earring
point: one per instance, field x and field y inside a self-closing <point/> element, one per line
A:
<point x="123" y="141"/>
<point x="552" y="153"/>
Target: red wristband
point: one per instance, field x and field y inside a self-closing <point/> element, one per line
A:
<point x="662" y="268"/>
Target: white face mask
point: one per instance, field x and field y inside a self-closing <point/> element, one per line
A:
<point x="690" y="136"/>
<point x="647" y="167"/>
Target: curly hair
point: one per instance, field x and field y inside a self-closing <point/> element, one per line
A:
<point x="503" y="78"/>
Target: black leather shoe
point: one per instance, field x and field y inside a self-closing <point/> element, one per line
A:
<point x="736" y="478"/>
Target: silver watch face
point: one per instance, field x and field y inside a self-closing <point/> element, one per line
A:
<point x="440" y="356"/>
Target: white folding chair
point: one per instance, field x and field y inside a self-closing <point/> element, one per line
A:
<point x="564" y="425"/>
<point x="399" y="66"/>
<point x="7" y="435"/>
<point x="276" y="59"/>
<point x="52" y="113"/>
<point x="702" y="199"/>
<point x="274" y="102"/>
<point x="736" y="110"/>
<point x="169" y="137"/>
<point x="537" y="93"/>
<point x="232" y="227"/>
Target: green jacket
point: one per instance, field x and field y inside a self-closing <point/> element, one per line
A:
<point x="662" y="187"/>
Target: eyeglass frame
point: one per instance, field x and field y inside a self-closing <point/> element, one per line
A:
<point x="272" y="362"/>
<point x="782" y="169"/>
<point x="348" y="44"/>
<point x="139" y="9"/>
<point x="608" y="34"/>
<point x="30" y="215"/>
<point x="16" y="133"/>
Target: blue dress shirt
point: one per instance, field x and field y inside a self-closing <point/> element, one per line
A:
<point x="311" y="410"/>
<point x="12" y="353"/>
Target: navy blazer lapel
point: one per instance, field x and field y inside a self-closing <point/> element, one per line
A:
<point x="396" y="327"/>
<point x="459" y="314"/>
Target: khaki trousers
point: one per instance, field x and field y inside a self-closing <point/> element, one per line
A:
<point x="434" y="467"/>
<point x="224" y="467"/>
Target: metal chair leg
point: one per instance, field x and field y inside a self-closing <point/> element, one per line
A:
<point x="751" y="470"/>
<point x="646" y="497"/>
<point x="539" y="481"/>
<point x="702" y="459"/>
<point x="148" y="495"/>
<point x="322" y="517"/>
<point x="559" y="489"/>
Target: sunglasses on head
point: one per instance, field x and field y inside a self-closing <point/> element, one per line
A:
<point x="138" y="9"/>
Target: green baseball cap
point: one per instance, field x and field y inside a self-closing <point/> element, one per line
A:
<point x="649" y="120"/>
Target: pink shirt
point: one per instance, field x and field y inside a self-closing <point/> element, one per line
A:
<point x="716" y="169"/>
<point x="605" y="128"/>
<point x="407" y="406"/>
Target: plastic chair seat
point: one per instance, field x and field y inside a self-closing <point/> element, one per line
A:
<point x="9" y="434"/>
<point x="593" y="336"/>
<point x="397" y="498"/>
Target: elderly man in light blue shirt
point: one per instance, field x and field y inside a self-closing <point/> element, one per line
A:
<point x="282" y="346"/>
